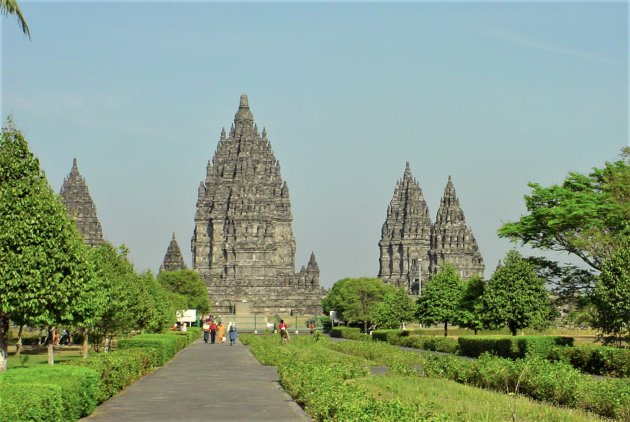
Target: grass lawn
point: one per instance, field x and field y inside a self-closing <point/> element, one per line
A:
<point x="34" y="356"/>
<point x="465" y="403"/>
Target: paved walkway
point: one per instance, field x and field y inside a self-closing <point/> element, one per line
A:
<point x="204" y="382"/>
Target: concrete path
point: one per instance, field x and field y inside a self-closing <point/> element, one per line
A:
<point x="204" y="382"/>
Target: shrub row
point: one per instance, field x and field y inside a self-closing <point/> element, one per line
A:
<point x="70" y="391"/>
<point x="599" y="360"/>
<point x="166" y="345"/>
<point x="554" y="382"/>
<point x="513" y="347"/>
<point x="58" y="393"/>
<point x="319" y="380"/>
<point x="409" y="339"/>
<point x="350" y="333"/>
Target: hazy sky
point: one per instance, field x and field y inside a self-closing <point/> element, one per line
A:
<point x="493" y="94"/>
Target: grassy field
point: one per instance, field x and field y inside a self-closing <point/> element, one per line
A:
<point x="35" y="355"/>
<point x="465" y="403"/>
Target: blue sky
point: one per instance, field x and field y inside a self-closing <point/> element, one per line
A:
<point x="493" y="94"/>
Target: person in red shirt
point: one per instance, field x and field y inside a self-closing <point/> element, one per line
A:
<point x="213" y="332"/>
<point x="284" y="331"/>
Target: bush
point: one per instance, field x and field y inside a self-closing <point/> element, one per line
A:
<point x="599" y="360"/>
<point x="26" y="401"/>
<point x="78" y="390"/>
<point x="166" y="345"/>
<point x="513" y="347"/>
<point x="349" y="333"/>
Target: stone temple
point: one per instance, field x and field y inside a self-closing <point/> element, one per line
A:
<point x="412" y="247"/>
<point x="173" y="260"/>
<point x="243" y="244"/>
<point x="77" y="200"/>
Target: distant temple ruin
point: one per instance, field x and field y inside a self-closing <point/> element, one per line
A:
<point x="77" y="200"/>
<point x="173" y="260"/>
<point x="412" y="248"/>
<point x="243" y="244"/>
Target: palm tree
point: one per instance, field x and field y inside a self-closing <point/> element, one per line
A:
<point x="11" y="7"/>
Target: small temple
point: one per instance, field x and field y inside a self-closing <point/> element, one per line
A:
<point x="173" y="260"/>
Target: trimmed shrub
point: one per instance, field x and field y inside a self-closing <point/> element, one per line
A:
<point x="350" y="333"/>
<point x="513" y="347"/>
<point x="26" y="401"/>
<point x="599" y="360"/>
<point x="79" y="388"/>
<point x="166" y="345"/>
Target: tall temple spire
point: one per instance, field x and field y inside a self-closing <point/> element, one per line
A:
<point x="243" y="245"/>
<point x="173" y="260"/>
<point x="77" y="200"/>
<point x="406" y="236"/>
<point x="452" y="240"/>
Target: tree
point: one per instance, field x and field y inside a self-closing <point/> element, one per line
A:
<point x="189" y="284"/>
<point x="612" y="295"/>
<point x="440" y="298"/>
<point x="471" y="305"/>
<point x="516" y="297"/>
<point x="42" y="257"/>
<point x="157" y="312"/>
<point x="586" y="216"/>
<point x="355" y="299"/>
<point x="395" y="309"/>
<point x="10" y="7"/>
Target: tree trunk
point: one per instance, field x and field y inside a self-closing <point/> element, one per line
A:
<point x="512" y="328"/>
<point x="18" y="343"/>
<point x="365" y="326"/>
<point x="4" y="341"/>
<point x="84" y="350"/>
<point x="445" y="329"/>
<point x="51" y="359"/>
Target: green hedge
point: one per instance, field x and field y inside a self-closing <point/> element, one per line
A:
<point x="407" y="338"/>
<point x="33" y="389"/>
<point x="350" y="333"/>
<point x="513" y="347"/>
<point x="599" y="360"/>
<point x="166" y="345"/>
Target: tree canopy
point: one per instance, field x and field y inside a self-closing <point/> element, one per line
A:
<point x="441" y="298"/>
<point x="395" y="309"/>
<point x="471" y="305"/>
<point x="189" y="284"/>
<point x="612" y="295"/>
<point x="516" y="297"/>
<point x="43" y="261"/>
<point x="586" y="215"/>
<point x="11" y="7"/>
<point x="355" y="299"/>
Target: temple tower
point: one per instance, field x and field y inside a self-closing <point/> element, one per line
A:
<point x="452" y="241"/>
<point x="77" y="200"/>
<point x="173" y="260"/>
<point x="243" y="244"/>
<point x="406" y="237"/>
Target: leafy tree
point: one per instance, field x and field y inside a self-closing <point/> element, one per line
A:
<point x="586" y="216"/>
<point x="42" y="257"/>
<point x="355" y="299"/>
<point x="10" y="7"/>
<point x="440" y="298"/>
<point x="395" y="309"/>
<point x="157" y="310"/>
<point x="612" y="295"/>
<point x="471" y="305"/>
<point x="516" y="297"/>
<point x="189" y="284"/>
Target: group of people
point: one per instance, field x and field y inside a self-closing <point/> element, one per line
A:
<point x="214" y="332"/>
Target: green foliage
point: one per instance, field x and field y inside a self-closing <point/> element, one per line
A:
<point x="516" y="297"/>
<point x="11" y="7"/>
<point x="395" y="309"/>
<point x="189" y="284"/>
<point x="350" y="333"/>
<point x="355" y="299"/>
<point x="441" y="298"/>
<point x="598" y="360"/>
<point x="612" y="295"/>
<point x="78" y="388"/>
<point x="157" y="312"/>
<point x="166" y="345"/>
<point x="584" y="216"/>
<point x="31" y="401"/>
<point x="409" y="339"/>
<point x="470" y="313"/>
<point x="510" y="346"/>
<point x="42" y="257"/>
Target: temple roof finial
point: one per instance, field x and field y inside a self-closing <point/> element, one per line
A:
<point x="244" y="102"/>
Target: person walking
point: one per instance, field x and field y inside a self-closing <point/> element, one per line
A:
<point x="220" y="332"/>
<point x="232" y="333"/>
<point x="284" y="331"/>
<point x="206" y="331"/>
<point x="213" y="332"/>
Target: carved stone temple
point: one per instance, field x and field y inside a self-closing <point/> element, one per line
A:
<point x="77" y="200"/>
<point x="173" y="260"/>
<point x="243" y="244"/>
<point x="412" y="247"/>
